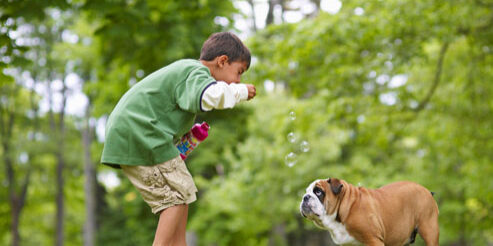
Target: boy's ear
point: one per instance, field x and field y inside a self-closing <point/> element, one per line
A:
<point x="221" y="60"/>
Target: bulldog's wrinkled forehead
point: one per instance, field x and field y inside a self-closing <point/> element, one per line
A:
<point x="321" y="183"/>
<point x="309" y="189"/>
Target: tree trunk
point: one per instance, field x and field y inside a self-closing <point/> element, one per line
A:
<point x="254" y="24"/>
<point x="60" y="198"/>
<point x="15" y="225"/>
<point x="13" y="198"/>
<point x="16" y="198"/>
<point x="282" y="3"/>
<point x="90" y="184"/>
<point x="60" y="210"/>
<point x="59" y="131"/>
<point x="270" y="13"/>
<point x="278" y="235"/>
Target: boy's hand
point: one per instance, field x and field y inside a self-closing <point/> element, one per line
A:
<point x="251" y="91"/>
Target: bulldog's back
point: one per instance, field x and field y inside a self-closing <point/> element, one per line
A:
<point x="406" y="194"/>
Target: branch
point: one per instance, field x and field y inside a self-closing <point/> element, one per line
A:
<point x="427" y="99"/>
<point x="436" y="80"/>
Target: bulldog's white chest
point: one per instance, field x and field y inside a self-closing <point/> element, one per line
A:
<point x="338" y="231"/>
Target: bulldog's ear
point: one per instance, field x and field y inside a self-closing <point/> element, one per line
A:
<point x="335" y="185"/>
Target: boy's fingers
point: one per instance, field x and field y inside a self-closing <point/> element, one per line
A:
<point x="251" y="91"/>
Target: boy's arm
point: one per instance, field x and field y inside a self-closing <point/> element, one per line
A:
<point x="221" y="95"/>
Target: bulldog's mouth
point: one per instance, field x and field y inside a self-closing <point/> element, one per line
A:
<point x="306" y="211"/>
<point x="303" y="214"/>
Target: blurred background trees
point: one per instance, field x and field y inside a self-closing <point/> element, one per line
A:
<point x="368" y="91"/>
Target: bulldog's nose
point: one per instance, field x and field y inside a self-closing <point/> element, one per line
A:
<point x="306" y="198"/>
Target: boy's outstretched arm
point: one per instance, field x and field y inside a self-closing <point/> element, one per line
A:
<point x="222" y="95"/>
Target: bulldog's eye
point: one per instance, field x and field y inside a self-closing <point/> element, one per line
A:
<point x="318" y="192"/>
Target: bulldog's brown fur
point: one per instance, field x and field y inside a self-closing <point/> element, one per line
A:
<point x="385" y="216"/>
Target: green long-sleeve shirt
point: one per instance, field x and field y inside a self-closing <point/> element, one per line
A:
<point x="158" y="109"/>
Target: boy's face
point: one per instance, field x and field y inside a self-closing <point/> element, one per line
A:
<point x="229" y="72"/>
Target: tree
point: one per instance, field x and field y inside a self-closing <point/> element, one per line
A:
<point x="16" y="195"/>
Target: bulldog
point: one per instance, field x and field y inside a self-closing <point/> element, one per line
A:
<point x="391" y="215"/>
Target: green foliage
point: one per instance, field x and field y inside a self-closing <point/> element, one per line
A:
<point x="382" y="91"/>
<point x="123" y="212"/>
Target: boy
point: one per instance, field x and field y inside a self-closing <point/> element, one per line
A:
<point x="141" y="130"/>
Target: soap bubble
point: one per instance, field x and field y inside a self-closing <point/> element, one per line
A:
<point x="304" y="146"/>
<point x="292" y="115"/>
<point x="290" y="159"/>
<point x="291" y="137"/>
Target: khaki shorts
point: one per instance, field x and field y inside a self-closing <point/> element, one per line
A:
<point x="163" y="185"/>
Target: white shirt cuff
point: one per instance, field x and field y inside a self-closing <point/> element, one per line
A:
<point x="222" y="95"/>
<point x="243" y="91"/>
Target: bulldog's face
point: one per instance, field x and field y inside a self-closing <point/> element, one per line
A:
<point x="320" y="200"/>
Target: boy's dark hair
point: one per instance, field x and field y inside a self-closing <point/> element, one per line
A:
<point x="225" y="43"/>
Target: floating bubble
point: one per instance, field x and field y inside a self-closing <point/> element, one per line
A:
<point x="290" y="159"/>
<point x="304" y="146"/>
<point x="292" y="115"/>
<point x="291" y="137"/>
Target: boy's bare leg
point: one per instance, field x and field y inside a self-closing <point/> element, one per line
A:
<point x="181" y="230"/>
<point x="170" y="221"/>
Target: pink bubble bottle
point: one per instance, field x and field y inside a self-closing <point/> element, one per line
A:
<point x="191" y="139"/>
